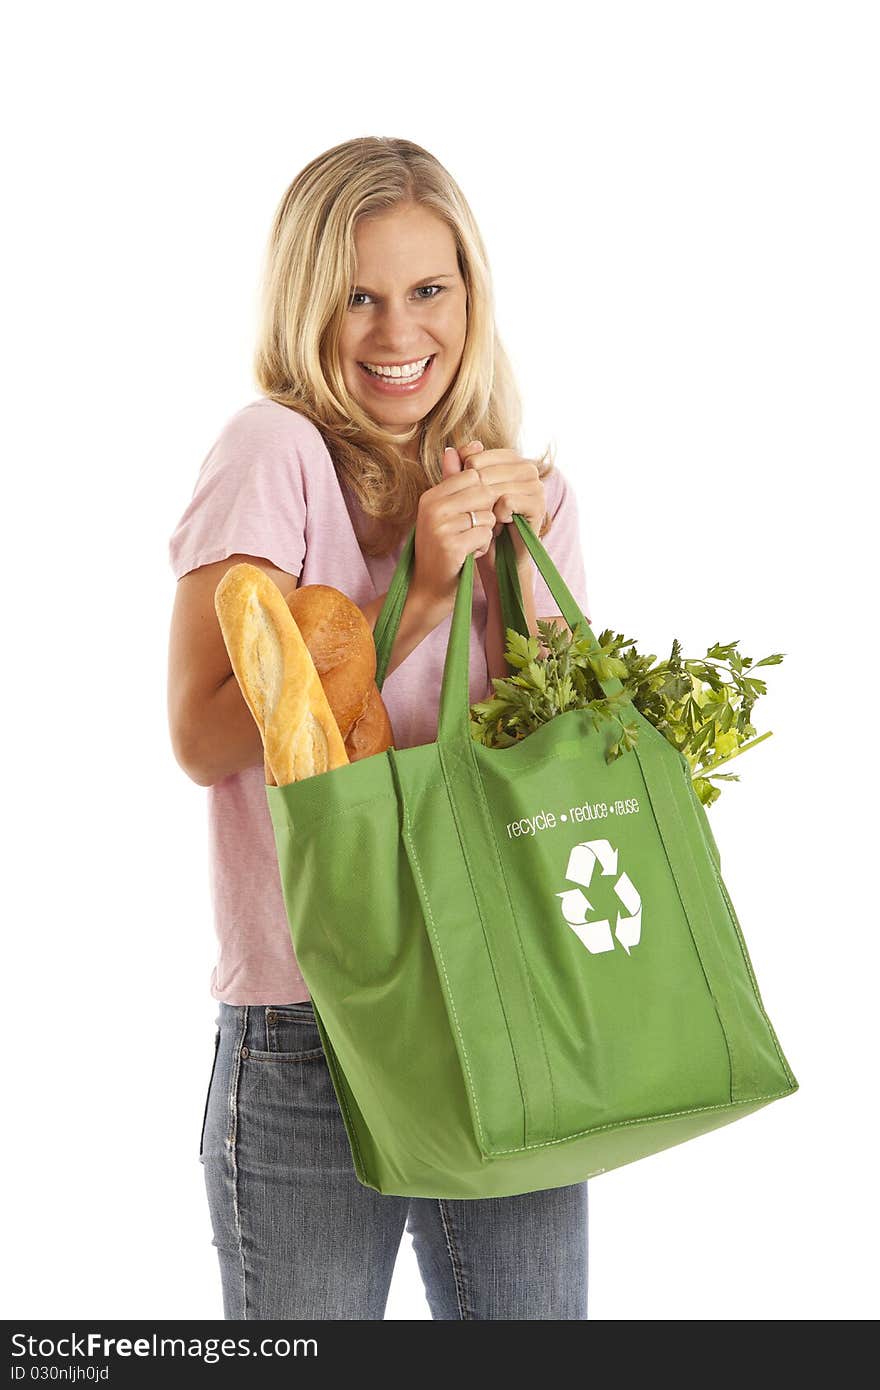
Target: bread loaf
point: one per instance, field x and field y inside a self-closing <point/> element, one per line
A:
<point x="340" y="643"/>
<point x="306" y="667"/>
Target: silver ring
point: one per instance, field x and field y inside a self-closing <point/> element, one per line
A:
<point x="473" y="518"/>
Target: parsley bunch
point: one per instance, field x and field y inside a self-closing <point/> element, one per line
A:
<point x="703" y="706"/>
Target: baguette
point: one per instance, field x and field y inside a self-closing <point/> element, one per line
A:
<point x="277" y="677"/>
<point x="306" y="666"/>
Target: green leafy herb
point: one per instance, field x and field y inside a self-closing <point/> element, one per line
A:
<point x="703" y="706"/>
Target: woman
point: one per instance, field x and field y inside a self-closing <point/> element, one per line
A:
<point x="376" y="348"/>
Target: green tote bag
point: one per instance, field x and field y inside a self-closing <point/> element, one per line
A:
<point x="525" y="967"/>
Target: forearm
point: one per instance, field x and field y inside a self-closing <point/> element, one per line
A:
<point x="421" y="614"/>
<point x="228" y="740"/>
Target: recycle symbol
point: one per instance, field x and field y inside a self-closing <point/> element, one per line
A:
<point x="597" y="936"/>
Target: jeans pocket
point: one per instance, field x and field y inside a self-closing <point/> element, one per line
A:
<point x="290" y="1034"/>
<point x="208" y="1096"/>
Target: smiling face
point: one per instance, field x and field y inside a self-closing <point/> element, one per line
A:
<point x="409" y="305"/>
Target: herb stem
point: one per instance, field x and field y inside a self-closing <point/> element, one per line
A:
<point x="704" y="771"/>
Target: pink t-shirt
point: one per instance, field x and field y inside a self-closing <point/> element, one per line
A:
<point x="268" y="488"/>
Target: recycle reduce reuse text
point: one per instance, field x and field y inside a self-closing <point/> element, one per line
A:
<point x="589" y="811"/>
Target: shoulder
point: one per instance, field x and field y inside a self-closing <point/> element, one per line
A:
<point x="264" y="428"/>
<point x="271" y="454"/>
<point x="557" y="489"/>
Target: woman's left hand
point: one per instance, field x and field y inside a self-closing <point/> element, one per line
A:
<point x="521" y="491"/>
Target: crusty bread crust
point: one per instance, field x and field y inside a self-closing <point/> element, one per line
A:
<point x="277" y="676"/>
<point x="340" y="643"/>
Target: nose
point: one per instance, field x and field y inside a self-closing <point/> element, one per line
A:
<point x="392" y="330"/>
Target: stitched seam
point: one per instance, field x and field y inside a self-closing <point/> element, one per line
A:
<point x="476" y="897"/>
<point x="208" y="1097"/>
<point x="391" y="796"/>
<point x="276" y="1021"/>
<point x="758" y="999"/>
<point x="285" y="1056"/>
<point x="232" y="1141"/>
<point x="535" y="762"/>
<point x="340" y="811"/>
<point x="515" y="920"/>
<point x="433" y="930"/>
<point x="455" y="1261"/>
<point x="346" y="810"/>
<point x="745" y="954"/>
<point x="646" y="1120"/>
<point x="687" y="917"/>
<point x="685" y="842"/>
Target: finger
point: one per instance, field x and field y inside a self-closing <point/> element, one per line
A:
<point x="470" y="451"/>
<point x="526" y="502"/>
<point x="504" y="473"/>
<point x="450" y="463"/>
<point x="471" y="520"/>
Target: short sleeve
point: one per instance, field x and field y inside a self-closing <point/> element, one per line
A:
<point x="563" y="544"/>
<point x="250" y="495"/>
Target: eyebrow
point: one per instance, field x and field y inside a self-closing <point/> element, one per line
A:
<point x="443" y="275"/>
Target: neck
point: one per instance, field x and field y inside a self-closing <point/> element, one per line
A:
<point x="411" y="450"/>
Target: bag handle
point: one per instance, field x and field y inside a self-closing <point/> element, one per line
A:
<point x="454" y="717"/>
<point x="389" y="618"/>
<point x="507" y="578"/>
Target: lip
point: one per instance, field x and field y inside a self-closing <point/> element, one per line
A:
<point x="397" y="387"/>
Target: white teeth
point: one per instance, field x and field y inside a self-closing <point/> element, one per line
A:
<point x="410" y="371"/>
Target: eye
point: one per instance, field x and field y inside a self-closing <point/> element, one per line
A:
<point x="362" y="294"/>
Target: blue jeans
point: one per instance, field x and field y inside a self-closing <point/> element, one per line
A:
<point x="298" y="1236"/>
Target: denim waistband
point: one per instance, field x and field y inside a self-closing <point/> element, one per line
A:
<point x="251" y="1023"/>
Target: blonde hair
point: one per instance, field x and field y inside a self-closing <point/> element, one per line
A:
<point x="309" y="268"/>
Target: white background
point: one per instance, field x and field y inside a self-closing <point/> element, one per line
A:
<point x="680" y="206"/>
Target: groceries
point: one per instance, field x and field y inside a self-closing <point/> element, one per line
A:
<point x="702" y="706"/>
<point x="306" y="666"/>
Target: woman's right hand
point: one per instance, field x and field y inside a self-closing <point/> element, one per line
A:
<point x="444" y="535"/>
